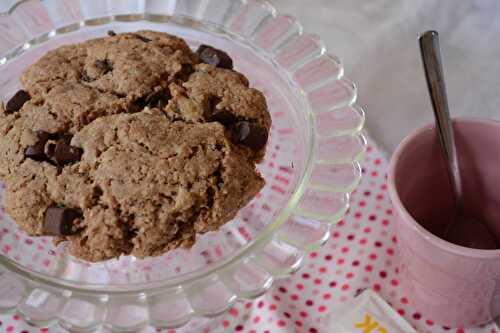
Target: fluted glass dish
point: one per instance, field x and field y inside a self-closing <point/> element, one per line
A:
<point x="311" y="166"/>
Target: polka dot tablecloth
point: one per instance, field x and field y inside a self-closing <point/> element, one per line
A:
<point x="361" y="253"/>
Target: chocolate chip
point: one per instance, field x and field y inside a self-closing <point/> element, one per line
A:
<point x="104" y="65"/>
<point x="250" y="135"/>
<point x="17" y="101"/>
<point x="64" y="154"/>
<point x="215" y="57"/>
<point x="224" y="117"/>
<point x="111" y="33"/>
<point x="144" y="39"/>
<point x="42" y="135"/>
<point x="59" y="221"/>
<point x="157" y="98"/>
<point x="37" y="151"/>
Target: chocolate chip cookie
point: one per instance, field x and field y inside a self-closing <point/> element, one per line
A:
<point x="131" y="144"/>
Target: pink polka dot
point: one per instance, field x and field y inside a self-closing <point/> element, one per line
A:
<point x="394" y="282"/>
<point x="327" y="296"/>
<point x="382" y="274"/>
<point x="332" y="284"/>
<point x="294" y="297"/>
<point x="417" y="316"/>
<point x="349" y="275"/>
<point x="303" y="314"/>
<point x="376" y="287"/>
<point x="260" y="304"/>
<point x="350" y="237"/>
<point x="317" y="281"/>
<point x="322" y="269"/>
<point x="385" y="222"/>
<point x="305" y="276"/>
<point x="239" y="328"/>
<point x="281" y="323"/>
<point x="282" y="290"/>
<point x="368" y="268"/>
<point x="345" y="287"/>
<point x="233" y="312"/>
<point x="363" y="241"/>
<point x="362" y="203"/>
<point x="372" y="256"/>
<point x="358" y="215"/>
<point x="298" y="323"/>
<point x="328" y="257"/>
<point x="309" y="302"/>
<point x="256" y="319"/>
<point x="355" y="263"/>
<point x="313" y="254"/>
<point x="299" y="286"/>
<point x="429" y="322"/>
<point x="340" y="261"/>
<point x="10" y="329"/>
<point x="277" y="298"/>
<point x="345" y="249"/>
<point x="401" y="312"/>
<point x="322" y="308"/>
<point x="367" y="230"/>
<point x="390" y="251"/>
<point x="404" y="300"/>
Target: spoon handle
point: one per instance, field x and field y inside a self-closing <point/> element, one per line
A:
<point x="431" y="58"/>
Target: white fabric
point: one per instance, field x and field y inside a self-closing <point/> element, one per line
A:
<point x="377" y="41"/>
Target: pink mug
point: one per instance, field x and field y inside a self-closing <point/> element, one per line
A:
<point x="454" y="285"/>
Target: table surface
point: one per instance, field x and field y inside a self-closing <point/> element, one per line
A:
<point x="377" y="41"/>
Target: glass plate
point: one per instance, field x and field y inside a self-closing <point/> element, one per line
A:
<point x="311" y="166"/>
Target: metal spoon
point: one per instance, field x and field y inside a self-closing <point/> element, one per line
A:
<point x="463" y="230"/>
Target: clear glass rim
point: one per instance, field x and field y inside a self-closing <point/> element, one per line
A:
<point x="187" y="278"/>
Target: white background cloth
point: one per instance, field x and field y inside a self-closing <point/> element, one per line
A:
<point x="377" y="42"/>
